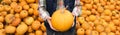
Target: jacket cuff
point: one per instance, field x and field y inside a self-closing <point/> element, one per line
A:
<point x="77" y="11"/>
<point x="43" y="13"/>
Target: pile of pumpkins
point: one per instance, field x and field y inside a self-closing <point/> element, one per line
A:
<point x="99" y="17"/>
<point x="20" y="17"/>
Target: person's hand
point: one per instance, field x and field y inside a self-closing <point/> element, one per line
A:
<point x="75" y="11"/>
<point x="49" y="21"/>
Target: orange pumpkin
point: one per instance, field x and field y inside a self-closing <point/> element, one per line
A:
<point x="14" y="0"/>
<point x="38" y="32"/>
<point x="62" y="20"/>
<point x="30" y="1"/>
<point x="23" y="14"/>
<point x="16" y="21"/>
<point x="99" y="28"/>
<point x="80" y="31"/>
<point x="3" y="13"/>
<point x="1" y="25"/>
<point x="1" y="7"/>
<point x="40" y="19"/>
<point x="29" y="20"/>
<point x="34" y="6"/>
<point x="13" y="5"/>
<point x="7" y="8"/>
<point x="30" y="29"/>
<point x="31" y="33"/>
<point x="43" y="28"/>
<point x="10" y="29"/>
<point x="35" y="25"/>
<point x="22" y="3"/>
<point x="25" y="7"/>
<point x="18" y="8"/>
<point x="7" y="1"/>
<point x="9" y="18"/>
<point x="30" y="11"/>
<point x="21" y="0"/>
<point x="36" y="12"/>
<point x="22" y="28"/>
<point x="1" y="19"/>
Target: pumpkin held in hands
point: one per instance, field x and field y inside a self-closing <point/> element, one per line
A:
<point x="62" y="20"/>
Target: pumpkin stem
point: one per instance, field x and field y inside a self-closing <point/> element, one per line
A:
<point x="61" y="5"/>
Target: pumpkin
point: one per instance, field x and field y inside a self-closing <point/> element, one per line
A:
<point x="81" y="20"/>
<point x="35" y="25"/>
<point x="10" y="29"/>
<point x="29" y="20"/>
<point x="77" y="25"/>
<point x="116" y="22"/>
<point x="62" y="20"/>
<point x="30" y="29"/>
<point x="30" y="1"/>
<point x="107" y="29"/>
<point x="99" y="28"/>
<point x="31" y="33"/>
<point x="17" y="15"/>
<point x="30" y="11"/>
<point x="2" y="32"/>
<point x="34" y="6"/>
<point x="18" y="8"/>
<point x="88" y="32"/>
<point x="95" y="32"/>
<point x="45" y="33"/>
<point x="80" y="31"/>
<point x="1" y="19"/>
<point x="111" y="33"/>
<point x="9" y="18"/>
<point x="43" y="28"/>
<point x="21" y="0"/>
<point x="16" y="21"/>
<point x="103" y="33"/>
<point x="4" y="13"/>
<point x="96" y="1"/>
<point x="89" y="6"/>
<point x="23" y="14"/>
<point x="25" y="7"/>
<point x="38" y="32"/>
<point x="107" y="12"/>
<point x="36" y="12"/>
<point x="7" y="1"/>
<point x="1" y="7"/>
<point x="111" y="7"/>
<point x="13" y="5"/>
<point x="100" y="9"/>
<point x="92" y="17"/>
<point x="11" y="11"/>
<point x="7" y="8"/>
<point x="112" y="26"/>
<point x="117" y="32"/>
<point x="22" y="3"/>
<point x="14" y="0"/>
<point x="85" y="26"/>
<point x="22" y="28"/>
<point x="1" y="25"/>
<point x="40" y="19"/>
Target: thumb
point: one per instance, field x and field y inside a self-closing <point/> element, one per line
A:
<point x="48" y="17"/>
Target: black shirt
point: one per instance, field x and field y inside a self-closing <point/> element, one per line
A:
<point x="51" y="5"/>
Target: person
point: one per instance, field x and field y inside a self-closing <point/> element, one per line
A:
<point x="51" y="6"/>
